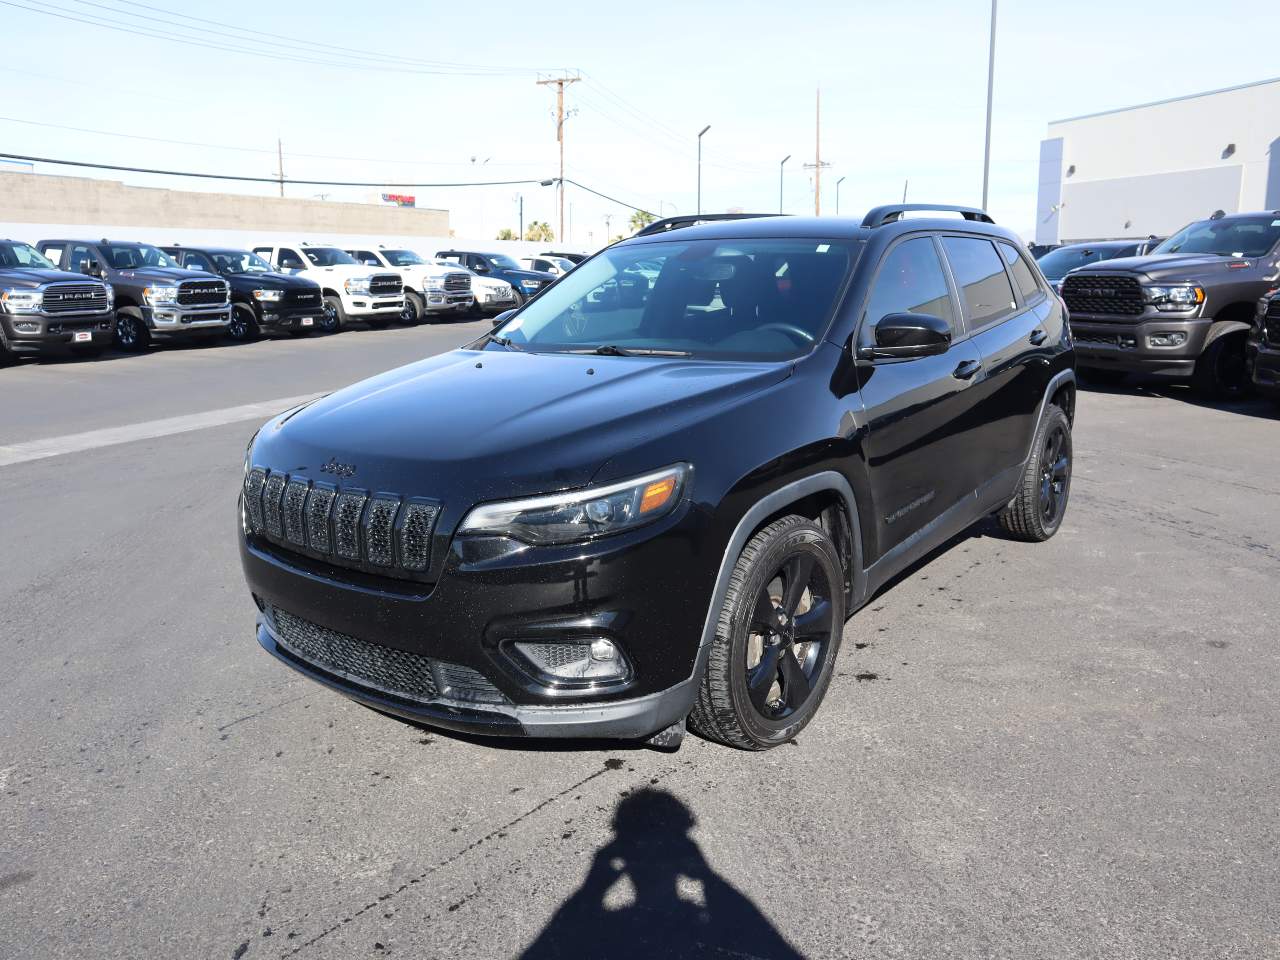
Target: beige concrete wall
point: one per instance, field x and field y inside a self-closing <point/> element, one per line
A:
<point x="40" y="199"/>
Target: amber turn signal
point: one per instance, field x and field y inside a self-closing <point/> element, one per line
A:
<point x="657" y="494"/>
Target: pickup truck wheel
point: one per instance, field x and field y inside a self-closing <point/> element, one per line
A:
<point x="1037" y="511"/>
<point x="776" y="640"/>
<point x="244" y="325"/>
<point x="335" y="318"/>
<point x="412" y="312"/>
<point x="1222" y="372"/>
<point x="132" y="334"/>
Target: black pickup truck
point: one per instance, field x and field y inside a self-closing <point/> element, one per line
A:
<point x="45" y="310"/>
<point x="261" y="298"/>
<point x="155" y="299"/>
<point x="1184" y="310"/>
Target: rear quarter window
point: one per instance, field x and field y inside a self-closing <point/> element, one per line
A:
<point x="979" y="272"/>
<point x="1023" y="276"/>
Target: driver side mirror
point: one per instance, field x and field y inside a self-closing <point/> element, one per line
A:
<point x="502" y="317"/>
<point x="908" y="335"/>
<point x="90" y="268"/>
<point x="481" y="267"/>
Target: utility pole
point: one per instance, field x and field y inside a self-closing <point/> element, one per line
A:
<point x="700" y="133"/>
<point x="781" y="169"/>
<point x="520" y="235"/>
<point x="991" y="80"/>
<point x="905" y="183"/>
<point x="817" y="164"/>
<point x="608" y="227"/>
<point x="280" y="160"/>
<point x="838" y="182"/>
<point x="559" y="84"/>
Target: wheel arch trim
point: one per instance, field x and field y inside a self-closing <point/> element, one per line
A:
<point x="1058" y="380"/>
<point x="1222" y="328"/>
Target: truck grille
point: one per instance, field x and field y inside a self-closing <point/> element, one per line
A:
<point x="382" y="534"/>
<point x="202" y="293"/>
<point x="303" y="298"/>
<point x="75" y="298"/>
<point x="1271" y="322"/>
<point x="383" y="284"/>
<point x="1100" y="293"/>
<point x="457" y="282"/>
<point x="371" y="665"/>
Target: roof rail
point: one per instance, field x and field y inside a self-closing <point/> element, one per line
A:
<point x="892" y="212"/>
<point x="675" y="223"/>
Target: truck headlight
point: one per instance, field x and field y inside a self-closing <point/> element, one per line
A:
<point x="22" y="301"/>
<point x="357" y="285"/>
<point x="1183" y="296"/>
<point x="433" y="284"/>
<point x="111" y="296"/>
<point x="268" y="296"/>
<point x="581" y="514"/>
<point x="160" y="294"/>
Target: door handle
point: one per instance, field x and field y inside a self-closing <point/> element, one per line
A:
<point x="967" y="369"/>
<point x="1038" y="336"/>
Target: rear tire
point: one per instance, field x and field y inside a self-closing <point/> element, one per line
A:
<point x="1222" y="373"/>
<point x="335" y="318"/>
<point x="132" y="335"/>
<point x="776" y="640"/>
<point x="1036" y="512"/>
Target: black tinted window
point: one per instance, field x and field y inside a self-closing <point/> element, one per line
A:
<point x="980" y="275"/>
<point x="1022" y="275"/>
<point x="911" y="281"/>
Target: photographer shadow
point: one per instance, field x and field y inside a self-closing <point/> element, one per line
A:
<point x="651" y="893"/>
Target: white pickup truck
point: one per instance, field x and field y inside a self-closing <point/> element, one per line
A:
<point x="429" y="288"/>
<point x="351" y="291"/>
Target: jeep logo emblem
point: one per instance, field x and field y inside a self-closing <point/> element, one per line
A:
<point x="343" y="470"/>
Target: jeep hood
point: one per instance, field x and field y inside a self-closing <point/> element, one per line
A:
<point x="468" y="425"/>
<point x="1167" y="266"/>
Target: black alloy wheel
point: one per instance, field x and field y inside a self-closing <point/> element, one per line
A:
<point x="411" y="313"/>
<point x="244" y="325"/>
<point x="1055" y="475"/>
<point x="776" y="639"/>
<point x="132" y="335"/>
<point x="1222" y="372"/>
<point x="334" y="316"/>
<point x="1036" y="511"/>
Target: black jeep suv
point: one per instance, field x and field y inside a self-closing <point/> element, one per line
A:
<point x="45" y="310"/>
<point x="155" y="298"/>
<point x="261" y="298"/>
<point x="1184" y="310"/>
<point x="608" y="515"/>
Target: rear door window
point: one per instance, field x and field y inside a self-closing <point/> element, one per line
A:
<point x="1022" y="274"/>
<point x="980" y="275"/>
<point x="911" y="280"/>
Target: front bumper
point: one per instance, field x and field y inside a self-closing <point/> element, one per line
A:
<point x="1264" y="361"/>
<point x="1103" y="343"/>
<point x="361" y="306"/>
<point x="443" y="301"/>
<point x="38" y="334"/>
<point x="495" y="305"/>
<point x="274" y="318"/>
<point x="170" y="321"/>
<point x="647" y="591"/>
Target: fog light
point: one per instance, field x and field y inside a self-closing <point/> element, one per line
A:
<point x="582" y="663"/>
<point x="603" y="650"/>
<point x="1172" y="339"/>
<point x="26" y="326"/>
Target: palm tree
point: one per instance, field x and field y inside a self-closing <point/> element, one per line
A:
<point x="540" y="231"/>
<point x="640" y="219"/>
<point x="506" y="233"/>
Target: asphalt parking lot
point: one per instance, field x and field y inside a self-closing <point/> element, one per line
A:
<point x="1064" y="750"/>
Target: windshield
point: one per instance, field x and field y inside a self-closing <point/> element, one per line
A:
<point x="1056" y="264"/>
<point x="239" y="261"/>
<point x="131" y="256"/>
<point x="328" y="256"/>
<point x="402" y="258"/>
<point x="1237" y="237"/>
<point x="23" y="255"/>
<point x="502" y="261"/>
<point x="713" y="299"/>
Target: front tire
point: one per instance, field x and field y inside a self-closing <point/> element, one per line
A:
<point x="411" y="315"/>
<point x="132" y="335"/>
<point x="1036" y="513"/>
<point x="1222" y="372"/>
<point x="244" y="325"/>
<point x="776" y="639"/>
<point x="335" y="318"/>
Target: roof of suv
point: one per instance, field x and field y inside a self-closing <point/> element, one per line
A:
<point x="809" y="227"/>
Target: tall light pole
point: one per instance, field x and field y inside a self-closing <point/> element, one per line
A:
<point x="700" y="133"/>
<point x="781" y="170"/>
<point x="838" y="182"/>
<point x="991" y="79"/>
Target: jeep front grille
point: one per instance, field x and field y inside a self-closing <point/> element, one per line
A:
<point x="374" y="667"/>
<point x="457" y="282"/>
<point x="62" y="298"/>
<point x="384" y="534"/>
<point x="383" y="284"/>
<point x="202" y="293"/>
<point x="1100" y="293"/>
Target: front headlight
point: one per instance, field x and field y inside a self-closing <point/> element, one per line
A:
<point x="22" y="301"/>
<point x="582" y="514"/>
<point x="160" y="294"/>
<point x="1184" y="296"/>
<point x="357" y="285"/>
<point x="268" y="296"/>
<point x="111" y="296"/>
<point x="433" y="284"/>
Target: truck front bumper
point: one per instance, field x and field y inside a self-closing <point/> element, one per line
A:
<point x="364" y="307"/>
<point x="175" y="322"/>
<point x="37" y="334"/>
<point x="1264" y="361"/>
<point x="442" y="301"/>
<point x="286" y="318"/>
<point x="1104" y="344"/>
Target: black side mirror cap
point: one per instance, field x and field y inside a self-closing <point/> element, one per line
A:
<point x="503" y="317"/>
<point x="907" y="335"/>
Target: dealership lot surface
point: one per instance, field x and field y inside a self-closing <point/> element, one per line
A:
<point x="1029" y="751"/>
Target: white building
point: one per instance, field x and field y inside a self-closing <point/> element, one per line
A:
<point x="1154" y="168"/>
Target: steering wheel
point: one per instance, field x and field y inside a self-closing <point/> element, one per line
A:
<point x="801" y="334"/>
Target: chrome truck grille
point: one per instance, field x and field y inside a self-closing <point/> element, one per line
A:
<point x="457" y="282"/>
<point x="382" y="534"/>
<point x="60" y="298"/>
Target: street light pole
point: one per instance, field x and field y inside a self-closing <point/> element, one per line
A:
<point x="838" y="182"/>
<point x="700" y="133"/>
<point x="781" y="170"/>
<point x="991" y="79"/>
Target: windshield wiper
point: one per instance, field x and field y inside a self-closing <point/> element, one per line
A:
<point x="613" y="350"/>
<point x="502" y="341"/>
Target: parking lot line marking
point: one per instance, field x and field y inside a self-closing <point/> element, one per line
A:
<point x="149" y="430"/>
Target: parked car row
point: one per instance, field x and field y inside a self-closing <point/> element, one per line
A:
<point x="85" y="295"/>
<point x="1190" y="308"/>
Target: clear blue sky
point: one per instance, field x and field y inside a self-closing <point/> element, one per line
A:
<point x="903" y="88"/>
